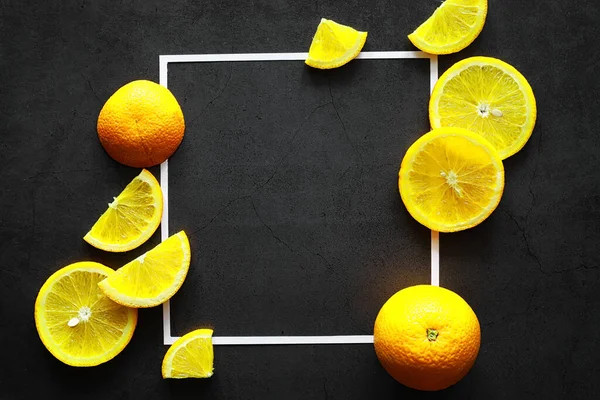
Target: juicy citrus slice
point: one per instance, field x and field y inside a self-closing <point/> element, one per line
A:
<point x="152" y="278"/>
<point x="141" y="124"/>
<point x="451" y="179"/>
<point x="486" y="96"/>
<point x="452" y="27"/>
<point x="131" y="218"/>
<point x="191" y="356"/>
<point x="334" y="45"/>
<point x="77" y="323"/>
<point x="427" y="337"/>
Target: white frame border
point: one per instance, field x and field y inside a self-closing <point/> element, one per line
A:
<point x="164" y="61"/>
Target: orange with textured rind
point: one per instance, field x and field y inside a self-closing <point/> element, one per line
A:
<point x="427" y="337"/>
<point x="141" y="124"/>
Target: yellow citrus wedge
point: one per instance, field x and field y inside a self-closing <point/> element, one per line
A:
<point x="131" y="218"/>
<point x="152" y="278"/>
<point x="452" y="27"/>
<point x="191" y="356"/>
<point x="451" y="179"/>
<point x="334" y="45"/>
<point x="486" y="96"/>
<point x="76" y="322"/>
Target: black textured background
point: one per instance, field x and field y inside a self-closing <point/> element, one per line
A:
<point x="530" y="271"/>
<point x="286" y="188"/>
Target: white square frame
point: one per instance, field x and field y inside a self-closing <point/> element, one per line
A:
<point x="164" y="61"/>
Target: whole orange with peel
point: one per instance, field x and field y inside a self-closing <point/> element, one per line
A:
<point x="141" y="124"/>
<point x="427" y="337"/>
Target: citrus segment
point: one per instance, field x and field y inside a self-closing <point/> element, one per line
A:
<point x="334" y="45"/>
<point x="489" y="97"/>
<point x="452" y="27"/>
<point x="76" y="322"/>
<point x="141" y="124"/>
<point x="131" y="218"/>
<point x="451" y="179"/>
<point x="191" y="356"/>
<point x="427" y="337"/>
<point x="152" y="278"/>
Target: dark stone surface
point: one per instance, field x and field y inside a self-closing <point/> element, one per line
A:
<point x="286" y="183"/>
